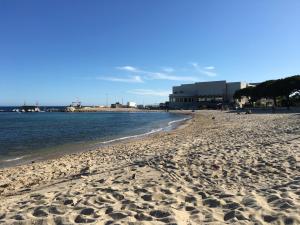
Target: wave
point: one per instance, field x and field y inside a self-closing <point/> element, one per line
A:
<point x="177" y="121"/>
<point x="13" y="159"/>
<point x="170" y="124"/>
<point x="132" y="136"/>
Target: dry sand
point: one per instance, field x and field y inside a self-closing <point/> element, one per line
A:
<point x="233" y="169"/>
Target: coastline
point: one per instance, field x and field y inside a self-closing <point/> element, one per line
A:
<point x="218" y="168"/>
<point x="74" y="148"/>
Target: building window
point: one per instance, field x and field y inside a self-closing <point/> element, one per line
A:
<point x="201" y="99"/>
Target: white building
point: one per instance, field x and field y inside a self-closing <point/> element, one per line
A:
<point x="131" y="104"/>
<point x="210" y="94"/>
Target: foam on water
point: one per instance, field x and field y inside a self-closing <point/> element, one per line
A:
<point x="14" y="159"/>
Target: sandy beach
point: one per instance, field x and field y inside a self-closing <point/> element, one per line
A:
<point x="217" y="168"/>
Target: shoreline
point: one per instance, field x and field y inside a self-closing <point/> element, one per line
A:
<point x="218" y="168"/>
<point x="91" y="146"/>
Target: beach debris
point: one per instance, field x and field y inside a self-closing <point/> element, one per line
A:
<point x="133" y="176"/>
<point x="213" y="118"/>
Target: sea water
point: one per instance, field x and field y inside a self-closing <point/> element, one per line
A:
<point x="28" y="136"/>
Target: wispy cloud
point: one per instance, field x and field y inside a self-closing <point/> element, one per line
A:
<point x="137" y="75"/>
<point x="129" y="79"/>
<point x="208" y="70"/>
<point x="209" y="67"/>
<point x="150" y="92"/>
<point x="151" y="75"/>
<point x="164" y="76"/>
<point x="128" y="68"/>
<point x="168" y="69"/>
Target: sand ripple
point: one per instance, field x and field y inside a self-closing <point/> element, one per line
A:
<point x="234" y="169"/>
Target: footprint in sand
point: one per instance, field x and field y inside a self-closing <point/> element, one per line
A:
<point x="117" y="215"/>
<point x="87" y="211"/>
<point x="81" y="219"/>
<point x="39" y="212"/>
<point x="143" y="217"/>
<point x="56" y="210"/>
<point x="159" y="213"/>
<point x="18" y="217"/>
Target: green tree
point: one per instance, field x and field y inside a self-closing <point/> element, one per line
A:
<point x="271" y="89"/>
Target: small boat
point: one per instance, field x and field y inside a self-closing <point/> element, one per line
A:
<point x="28" y="108"/>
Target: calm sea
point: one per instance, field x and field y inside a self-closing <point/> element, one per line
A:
<point x="30" y="136"/>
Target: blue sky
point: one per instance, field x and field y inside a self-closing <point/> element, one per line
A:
<point x="54" y="51"/>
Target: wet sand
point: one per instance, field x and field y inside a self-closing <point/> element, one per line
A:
<point x="219" y="168"/>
